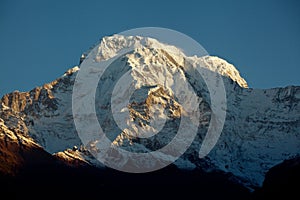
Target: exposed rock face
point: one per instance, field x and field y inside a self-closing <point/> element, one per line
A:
<point x="18" y="149"/>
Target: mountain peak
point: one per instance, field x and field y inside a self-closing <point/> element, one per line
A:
<point x="110" y="46"/>
<point x="261" y="127"/>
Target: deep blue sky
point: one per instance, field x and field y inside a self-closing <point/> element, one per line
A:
<point x="40" y="40"/>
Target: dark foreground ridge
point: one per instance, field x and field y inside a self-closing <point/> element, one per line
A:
<point x="57" y="180"/>
<point x="51" y="178"/>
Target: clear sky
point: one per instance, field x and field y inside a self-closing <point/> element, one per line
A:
<point x="40" y="40"/>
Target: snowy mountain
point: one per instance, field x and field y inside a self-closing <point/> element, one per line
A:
<point x="261" y="130"/>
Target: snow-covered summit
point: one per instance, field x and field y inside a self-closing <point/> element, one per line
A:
<point x="110" y="46"/>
